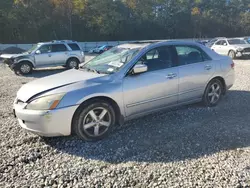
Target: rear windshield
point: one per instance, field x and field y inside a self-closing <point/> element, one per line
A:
<point x="74" y="46"/>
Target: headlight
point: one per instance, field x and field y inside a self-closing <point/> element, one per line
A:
<point x="240" y="49"/>
<point x="45" y="103"/>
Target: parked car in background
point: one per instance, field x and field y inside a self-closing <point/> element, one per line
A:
<point x="203" y="42"/>
<point x="233" y="47"/>
<point x="46" y="54"/>
<point x="123" y="83"/>
<point x="247" y="39"/>
<point x="93" y="50"/>
<point x="211" y="42"/>
<point x="102" y="49"/>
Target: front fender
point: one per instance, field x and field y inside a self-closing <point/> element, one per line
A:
<point x="78" y="96"/>
<point x="26" y="59"/>
<point x="74" y="56"/>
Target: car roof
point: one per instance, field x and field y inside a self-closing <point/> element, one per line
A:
<point x="143" y="44"/>
<point x="58" y="42"/>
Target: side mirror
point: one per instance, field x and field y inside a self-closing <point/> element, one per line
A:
<point x="224" y="44"/>
<point x="38" y="52"/>
<point x="140" y="68"/>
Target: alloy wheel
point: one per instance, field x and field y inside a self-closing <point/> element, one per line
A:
<point x="96" y="122"/>
<point x="25" y="68"/>
<point x="214" y="93"/>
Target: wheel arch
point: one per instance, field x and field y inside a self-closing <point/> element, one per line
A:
<point x="113" y="103"/>
<point x="25" y="60"/>
<point x="73" y="57"/>
<point x="222" y="80"/>
<point x="230" y="51"/>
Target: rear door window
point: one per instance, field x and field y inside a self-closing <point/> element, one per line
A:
<point x="59" y="48"/>
<point x="190" y="54"/>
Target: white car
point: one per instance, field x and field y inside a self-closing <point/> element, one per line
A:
<point x="235" y="47"/>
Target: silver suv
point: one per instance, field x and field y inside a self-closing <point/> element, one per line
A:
<point x="47" y="54"/>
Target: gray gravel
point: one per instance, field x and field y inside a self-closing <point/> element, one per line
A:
<point x="191" y="146"/>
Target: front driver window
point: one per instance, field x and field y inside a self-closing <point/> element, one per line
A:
<point x="45" y="49"/>
<point x="218" y="42"/>
<point x="158" y="58"/>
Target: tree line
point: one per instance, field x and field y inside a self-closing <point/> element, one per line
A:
<point x="30" y="21"/>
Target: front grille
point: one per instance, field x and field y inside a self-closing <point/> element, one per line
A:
<point x="247" y="50"/>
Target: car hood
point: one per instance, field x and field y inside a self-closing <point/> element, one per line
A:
<point x="56" y="81"/>
<point x="242" y="45"/>
<point x="8" y="56"/>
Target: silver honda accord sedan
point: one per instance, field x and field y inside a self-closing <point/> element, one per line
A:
<point x="128" y="81"/>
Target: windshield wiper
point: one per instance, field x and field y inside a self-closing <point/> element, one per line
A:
<point x="90" y="70"/>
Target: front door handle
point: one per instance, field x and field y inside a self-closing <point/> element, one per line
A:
<point x="171" y="75"/>
<point x="208" y="67"/>
<point x="49" y="55"/>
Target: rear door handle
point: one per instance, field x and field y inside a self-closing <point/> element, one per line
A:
<point x="208" y="67"/>
<point x="49" y="55"/>
<point x="171" y="75"/>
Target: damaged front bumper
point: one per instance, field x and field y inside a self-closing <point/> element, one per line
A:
<point x="10" y="63"/>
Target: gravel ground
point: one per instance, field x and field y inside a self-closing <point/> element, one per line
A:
<point x="191" y="146"/>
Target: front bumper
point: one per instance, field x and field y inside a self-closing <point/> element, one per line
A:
<point x="241" y="54"/>
<point x="10" y="63"/>
<point x="46" y="123"/>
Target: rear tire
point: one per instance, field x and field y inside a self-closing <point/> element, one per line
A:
<point x="232" y="54"/>
<point x="213" y="93"/>
<point x="94" y="120"/>
<point x="72" y="63"/>
<point x="23" y="68"/>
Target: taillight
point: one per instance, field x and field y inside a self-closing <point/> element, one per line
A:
<point x="232" y="65"/>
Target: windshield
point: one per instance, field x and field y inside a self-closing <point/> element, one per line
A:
<point x="32" y="49"/>
<point x="237" y="41"/>
<point x="111" y="61"/>
<point x="248" y="40"/>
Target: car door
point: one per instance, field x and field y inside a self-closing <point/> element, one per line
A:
<point x="156" y="88"/>
<point x="43" y="56"/>
<point x="224" y="47"/>
<point x="217" y="47"/>
<point x="195" y="70"/>
<point x="59" y="54"/>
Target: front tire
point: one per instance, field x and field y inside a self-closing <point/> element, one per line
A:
<point x="232" y="54"/>
<point x="94" y="120"/>
<point x="213" y="93"/>
<point x="23" y="68"/>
